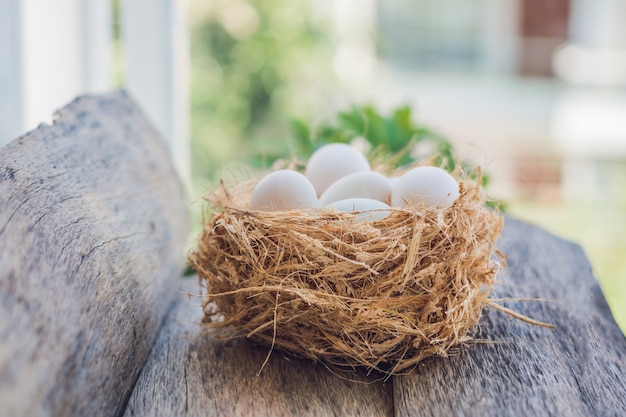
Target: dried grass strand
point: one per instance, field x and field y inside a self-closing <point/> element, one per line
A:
<point x="382" y="295"/>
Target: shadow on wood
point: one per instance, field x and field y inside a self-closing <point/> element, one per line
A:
<point x="93" y="225"/>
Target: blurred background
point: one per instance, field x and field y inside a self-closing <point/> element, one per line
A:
<point x="533" y="91"/>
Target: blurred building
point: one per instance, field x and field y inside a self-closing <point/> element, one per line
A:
<point x="533" y="89"/>
<point x="507" y="36"/>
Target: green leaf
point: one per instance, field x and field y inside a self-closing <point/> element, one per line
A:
<point x="393" y="140"/>
<point x="302" y="135"/>
<point x="403" y="129"/>
<point x="353" y="121"/>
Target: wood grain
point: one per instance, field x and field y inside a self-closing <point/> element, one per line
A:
<point x="189" y="373"/>
<point x="93" y="224"/>
<point x="92" y="230"/>
<point x="577" y="369"/>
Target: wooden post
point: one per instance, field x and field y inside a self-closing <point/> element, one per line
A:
<point x="93" y="225"/>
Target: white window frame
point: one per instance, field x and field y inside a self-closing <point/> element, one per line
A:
<point x="54" y="50"/>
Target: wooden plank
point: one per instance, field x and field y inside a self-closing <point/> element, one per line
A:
<point x="577" y="369"/>
<point x="93" y="225"/>
<point x="189" y="373"/>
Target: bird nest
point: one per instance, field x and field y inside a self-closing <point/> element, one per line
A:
<point x="321" y="285"/>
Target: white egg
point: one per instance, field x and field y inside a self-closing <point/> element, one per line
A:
<point x="283" y="190"/>
<point x="365" y="184"/>
<point x="431" y="186"/>
<point x="331" y="162"/>
<point x="370" y="210"/>
<point x="393" y="181"/>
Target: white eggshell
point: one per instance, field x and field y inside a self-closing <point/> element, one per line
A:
<point x="331" y="162"/>
<point x="393" y="181"/>
<point x="283" y="190"/>
<point x="365" y="184"/>
<point x="369" y="209"/>
<point x="431" y="186"/>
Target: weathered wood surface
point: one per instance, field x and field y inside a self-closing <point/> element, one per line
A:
<point x="189" y="373"/>
<point x="92" y="229"/>
<point x="577" y="369"/>
<point x="92" y="232"/>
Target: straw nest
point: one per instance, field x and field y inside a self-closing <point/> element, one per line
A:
<point x="317" y="284"/>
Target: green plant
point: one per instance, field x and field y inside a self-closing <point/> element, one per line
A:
<point x="251" y="60"/>
<point x="396" y="139"/>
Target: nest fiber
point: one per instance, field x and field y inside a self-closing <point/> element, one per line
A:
<point x="318" y="284"/>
